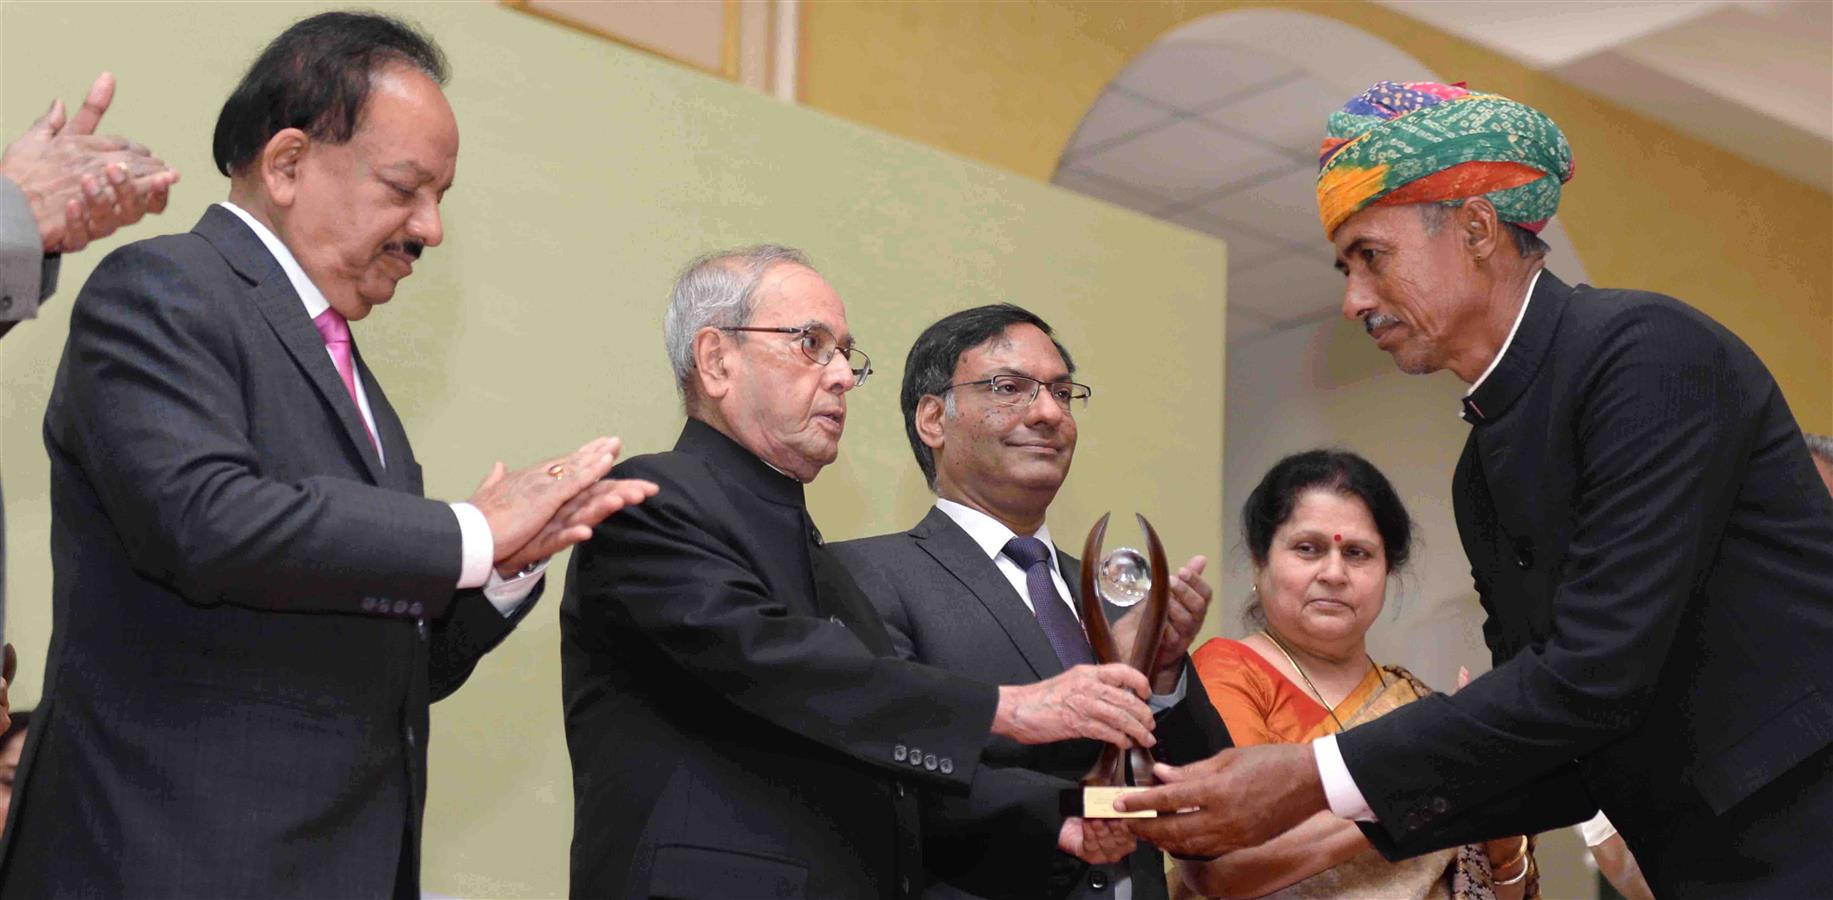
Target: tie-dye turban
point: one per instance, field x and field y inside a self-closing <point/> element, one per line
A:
<point x="1420" y="142"/>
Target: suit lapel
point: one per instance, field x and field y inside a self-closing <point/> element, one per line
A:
<point x="285" y="314"/>
<point x="944" y="541"/>
<point x="389" y="430"/>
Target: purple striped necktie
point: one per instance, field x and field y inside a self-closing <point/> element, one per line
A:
<point x="1053" y="613"/>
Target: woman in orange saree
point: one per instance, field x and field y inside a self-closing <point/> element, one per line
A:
<point x="1325" y="530"/>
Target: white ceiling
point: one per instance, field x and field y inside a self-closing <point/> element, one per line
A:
<point x="1222" y="140"/>
<point x="1217" y="126"/>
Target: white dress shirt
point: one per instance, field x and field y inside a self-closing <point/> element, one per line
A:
<point x="1346" y="800"/>
<point x="479" y="546"/>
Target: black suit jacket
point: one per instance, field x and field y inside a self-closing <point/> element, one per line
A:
<point x="1655" y="553"/>
<point x="250" y="614"/>
<point x="738" y="724"/>
<point x="946" y="604"/>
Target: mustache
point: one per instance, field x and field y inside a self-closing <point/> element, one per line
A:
<point x="411" y="248"/>
<point x="1379" y="320"/>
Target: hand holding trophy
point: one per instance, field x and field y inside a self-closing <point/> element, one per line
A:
<point x="1123" y="578"/>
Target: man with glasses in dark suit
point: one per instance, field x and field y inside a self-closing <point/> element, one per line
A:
<point x="978" y="588"/>
<point x="739" y="723"/>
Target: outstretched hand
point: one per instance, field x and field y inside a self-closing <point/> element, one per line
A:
<point x="1235" y="799"/>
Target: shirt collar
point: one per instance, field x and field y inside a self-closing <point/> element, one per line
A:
<point x="309" y="294"/>
<point x="1519" y="315"/>
<point x="988" y="532"/>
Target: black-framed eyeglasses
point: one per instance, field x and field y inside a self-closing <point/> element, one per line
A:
<point x="1018" y="390"/>
<point x="819" y="345"/>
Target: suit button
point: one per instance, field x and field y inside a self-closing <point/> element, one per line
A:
<point x="814" y="534"/>
<point x="899" y="753"/>
<point x="929" y="762"/>
<point x="400" y="607"/>
<point x="6" y="303"/>
<point x="1440" y="804"/>
<point x="916" y="757"/>
<point x="1097" y="880"/>
<point x="416" y="608"/>
<point x="369" y="604"/>
<point x="1415" y="820"/>
<point x="948" y="766"/>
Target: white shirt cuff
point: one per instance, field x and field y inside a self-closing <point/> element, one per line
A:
<point x="479" y="546"/>
<point x="1597" y="831"/>
<point x="1161" y="702"/>
<point x="507" y="594"/>
<point x="1346" y="800"/>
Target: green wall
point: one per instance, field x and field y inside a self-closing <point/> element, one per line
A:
<point x="588" y="174"/>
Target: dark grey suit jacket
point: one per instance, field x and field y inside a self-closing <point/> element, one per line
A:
<point x="946" y="604"/>
<point x="27" y="276"/>
<point x="250" y="614"/>
<point x="1655" y="552"/>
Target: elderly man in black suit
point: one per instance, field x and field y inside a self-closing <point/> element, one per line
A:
<point x="1643" y="521"/>
<point x="978" y="587"/>
<point x="739" y="721"/>
<point x="254" y="604"/>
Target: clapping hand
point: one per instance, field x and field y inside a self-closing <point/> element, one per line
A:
<point x="82" y="186"/>
<point x="1189" y="596"/>
<point x="539" y="511"/>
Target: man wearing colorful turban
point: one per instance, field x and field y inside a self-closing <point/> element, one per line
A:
<point x="1644" y="525"/>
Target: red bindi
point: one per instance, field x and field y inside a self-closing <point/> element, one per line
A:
<point x="1338" y="537"/>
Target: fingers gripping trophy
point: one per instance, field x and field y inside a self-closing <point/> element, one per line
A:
<point x="1123" y="578"/>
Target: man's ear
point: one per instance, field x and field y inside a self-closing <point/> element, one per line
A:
<point x="278" y="165"/>
<point x="1481" y="229"/>
<point x="929" y="413"/>
<point x="711" y="357"/>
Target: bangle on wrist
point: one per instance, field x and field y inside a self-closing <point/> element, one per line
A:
<point x="1526" y="869"/>
<point x="1519" y="855"/>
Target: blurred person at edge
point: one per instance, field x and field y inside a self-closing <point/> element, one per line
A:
<point x="1821" y="446"/>
<point x="62" y="186"/>
<point x="12" y="744"/>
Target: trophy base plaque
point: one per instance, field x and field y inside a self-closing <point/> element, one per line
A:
<point x="1092" y="802"/>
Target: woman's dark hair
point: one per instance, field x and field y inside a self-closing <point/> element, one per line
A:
<point x="1340" y="471"/>
<point x="930" y="367"/>
<point x="315" y="77"/>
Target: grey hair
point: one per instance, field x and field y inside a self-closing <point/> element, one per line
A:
<point x="717" y="290"/>
<point x="1527" y="243"/>
<point x="1820" y="445"/>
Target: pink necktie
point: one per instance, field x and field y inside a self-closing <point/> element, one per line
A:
<point x="336" y="332"/>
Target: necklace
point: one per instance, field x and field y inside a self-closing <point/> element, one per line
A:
<point x="1315" y="692"/>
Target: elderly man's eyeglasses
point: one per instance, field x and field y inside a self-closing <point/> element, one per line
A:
<point x="1017" y="390"/>
<point x="819" y="345"/>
